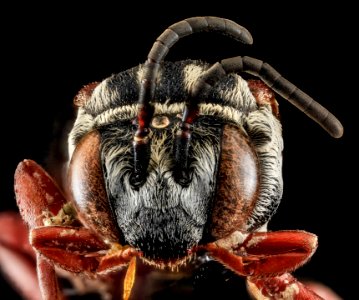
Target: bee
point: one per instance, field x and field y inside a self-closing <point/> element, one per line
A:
<point x="170" y="163"/>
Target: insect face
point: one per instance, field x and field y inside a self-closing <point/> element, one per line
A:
<point x="163" y="217"/>
<point x="170" y="159"/>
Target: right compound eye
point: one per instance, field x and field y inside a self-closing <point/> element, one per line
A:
<point x="237" y="183"/>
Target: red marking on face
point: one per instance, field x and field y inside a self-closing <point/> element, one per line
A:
<point x="84" y="94"/>
<point x="264" y="95"/>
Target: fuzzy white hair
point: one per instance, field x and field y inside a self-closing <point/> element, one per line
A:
<point x="238" y="107"/>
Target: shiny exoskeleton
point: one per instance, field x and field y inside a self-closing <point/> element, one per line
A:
<point x="170" y="160"/>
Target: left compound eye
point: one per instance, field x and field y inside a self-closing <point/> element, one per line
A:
<point x="237" y="183"/>
<point x="87" y="186"/>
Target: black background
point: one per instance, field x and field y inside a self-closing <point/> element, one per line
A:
<point x="49" y="53"/>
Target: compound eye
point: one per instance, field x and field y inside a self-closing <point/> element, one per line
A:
<point x="237" y="183"/>
<point x="87" y="186"/>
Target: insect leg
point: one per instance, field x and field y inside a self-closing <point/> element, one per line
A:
<point x="284" y="286"/>
<point x="17" y="258"/>
<point x="265" y="258"/>
<point x="266" y="253"/>
<point x="77" y="249"/>
<point x="36" y="193"/>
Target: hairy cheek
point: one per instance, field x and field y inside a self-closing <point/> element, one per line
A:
<point x="237" y="183"/>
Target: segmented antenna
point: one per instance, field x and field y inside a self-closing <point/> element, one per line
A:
<point x="286" y="89"/>
<point x="204" y="84"/>
<point x="160" y="48"/>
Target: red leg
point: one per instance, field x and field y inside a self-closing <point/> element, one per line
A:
<point x="48" y="280"/>
<point x="37" y="195"/>
<point x="14" y="233"/>
<point x="17" y="258"/>
<point x="266" y="253"/>
<point x="77" y="249"/>
<point x="269" y="255"/>
<point x="280" y="287"/>
<point x="322" y="290"/>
